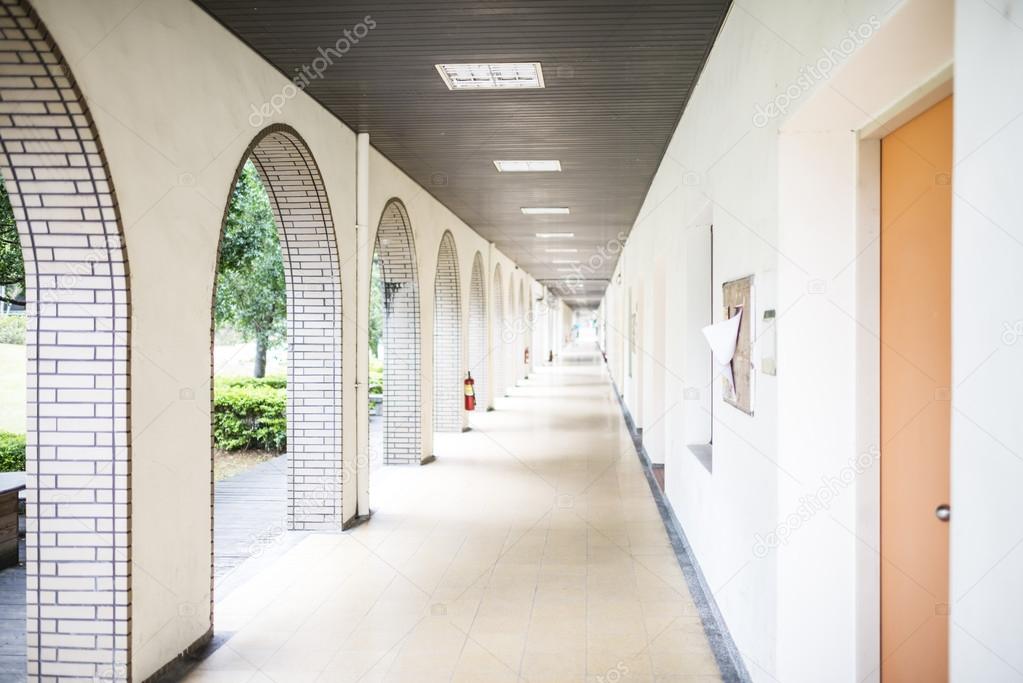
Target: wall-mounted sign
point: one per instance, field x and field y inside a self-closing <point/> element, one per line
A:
<point x="738" y="298"/>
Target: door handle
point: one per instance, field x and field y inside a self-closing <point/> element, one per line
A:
<point x="943" y="512"/>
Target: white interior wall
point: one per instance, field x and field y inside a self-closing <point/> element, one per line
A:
<point x="987" y="352"/>
<point x="807" y="609"/>
<point x="829" y="210"/>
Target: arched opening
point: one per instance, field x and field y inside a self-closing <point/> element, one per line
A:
<point x="394" y="256"/>
<point x="277" y="251"/>
<point x="447" y="340"/>
<point x="497" y="350"/>
<point x="76" y="354"/>
<point x="478" y="330"/>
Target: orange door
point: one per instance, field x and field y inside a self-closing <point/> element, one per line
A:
<point x="916" y="224"/>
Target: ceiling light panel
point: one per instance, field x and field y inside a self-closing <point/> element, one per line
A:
<point x="554" y="235"/>
<point x="528" y="166"/>
<point x="545" y="210"/>
<point x="557" y="250"/>
<point x="500" y="76"/>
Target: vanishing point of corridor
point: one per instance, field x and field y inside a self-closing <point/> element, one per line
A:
<point x="531" y="550"/>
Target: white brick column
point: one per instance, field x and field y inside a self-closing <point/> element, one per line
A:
<point x="78" y="564"/>
<point x="513" y="344"/>
<point x="497" y="347"/>
<point x="478" y="331"/>
<point x="313" y="280"/>
<point x="395" y="249"/>
<point x="447" y="340"/>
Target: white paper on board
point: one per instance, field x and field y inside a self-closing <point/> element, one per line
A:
<point x="723" y="338"/>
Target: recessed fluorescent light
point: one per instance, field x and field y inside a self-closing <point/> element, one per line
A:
<point x="566" y="270"/>
<point x="499" y="76"/>
<point x="558" y="250"/>
<point x="565" y="260"/>
<point x="527" y="166"/>
<point x="554" y="235"/>
<point x="538" y="210"/>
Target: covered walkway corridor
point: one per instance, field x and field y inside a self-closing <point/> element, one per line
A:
<point x="533" y="550"/>
<point x="565" y="341"/>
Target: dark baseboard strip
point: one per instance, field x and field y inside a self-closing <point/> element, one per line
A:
<point x="733" y="670"/>
<point x="356" y="521"/>
<point x="177" y="668"/>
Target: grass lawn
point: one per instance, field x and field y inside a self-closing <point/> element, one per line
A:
<point x="12" y="388"/>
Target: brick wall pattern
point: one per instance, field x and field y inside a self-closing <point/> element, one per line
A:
<point x="402" y="407"/>
<point x="78" y="531"/>
<point x="448" y="373"/>
<point x="313" y="281"/>
<point x="497" y="345"/>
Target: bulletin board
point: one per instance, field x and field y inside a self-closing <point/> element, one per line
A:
<point x="736" y="295"/>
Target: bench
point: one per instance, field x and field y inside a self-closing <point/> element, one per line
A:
<point x="11" y="484"/>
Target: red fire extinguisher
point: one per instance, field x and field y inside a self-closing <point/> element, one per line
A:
<point x="470" y="392"/>
<point x="525" y="360"/>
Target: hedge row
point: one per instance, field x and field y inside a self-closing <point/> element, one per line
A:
<point x="250" y="414"/>
<point x="272" y="381"/>
<point x="12" y="452"/>
<point x="247" y="414"/>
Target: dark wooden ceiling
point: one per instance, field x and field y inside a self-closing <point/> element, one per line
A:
<point x="618" y="75"/>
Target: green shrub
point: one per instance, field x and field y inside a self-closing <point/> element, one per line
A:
<point x="250" y="414"/>
<point x="12" y="329"/>
<point x="272" y="381"/>
<point x="12" y="452"/>
<point x="376" y="376"/>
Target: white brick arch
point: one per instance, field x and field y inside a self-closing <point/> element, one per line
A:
<point x="478" y="329"/>
<point x="527" y="331"/>
<point x="78" y="540"/>
<point x="512" y="332"/>
<point x="448" y="372"/>
<point x="402" y="405"/>
<point x="521" y="325"/>
<point x="497" y="335"/>
<point x="313" y="284"/>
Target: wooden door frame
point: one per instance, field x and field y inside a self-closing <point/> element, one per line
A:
<point x="916" y="101"/>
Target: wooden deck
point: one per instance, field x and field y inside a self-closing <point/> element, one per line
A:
<point x="250" y="523"/>
<point x="12" y="620"/>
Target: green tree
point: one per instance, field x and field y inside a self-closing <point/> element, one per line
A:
<point x="251" y="295"/>
<point x="12" y="265"/>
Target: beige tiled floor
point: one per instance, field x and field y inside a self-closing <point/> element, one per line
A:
<point x="530" y="551"/>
